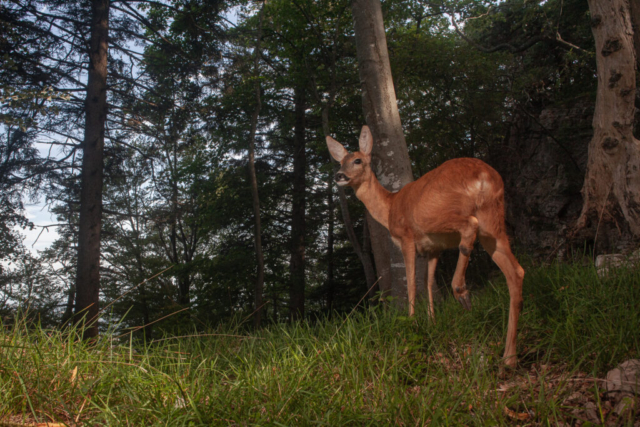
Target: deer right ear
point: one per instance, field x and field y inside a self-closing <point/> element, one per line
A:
<point x="338" y="152"/>
<point x="366" y="140"/>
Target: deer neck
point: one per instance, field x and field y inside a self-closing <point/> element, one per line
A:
<point x="376" y="198"/>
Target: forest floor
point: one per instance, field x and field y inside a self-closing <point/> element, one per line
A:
<point x="373" y="367"/>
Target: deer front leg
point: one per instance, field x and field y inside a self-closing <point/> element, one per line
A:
<point x="467" y="238"/>
<point x="432" y="262"/>
<point x="409" y="254"/>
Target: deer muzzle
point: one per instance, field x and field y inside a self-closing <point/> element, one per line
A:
<point x="341" y="179"/>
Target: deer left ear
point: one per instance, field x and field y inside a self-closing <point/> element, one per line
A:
<point x="337" y="151"/>
<point x="366" y="140"/>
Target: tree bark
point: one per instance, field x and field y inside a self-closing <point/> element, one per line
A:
<point x="390" y="155"/>
<point x="611" y="189"/>
<point x="635" y="22"/>
<point x="259" y="288"/>
<point x="68" y="311"/>
<point x="296" y="291"/>
<point x="634" y="6"/>
<point x="330" y="266"/>
<point x="365" y="259"/>
<point x="380" y="245"/>
<point x="366" y="250"/>
<point x="90" y="222"/>
<point x="184" y="282"/>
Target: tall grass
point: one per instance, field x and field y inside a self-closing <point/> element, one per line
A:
<point x="376" y="367"/>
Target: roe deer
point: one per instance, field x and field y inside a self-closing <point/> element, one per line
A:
<point x="446" y="208"/>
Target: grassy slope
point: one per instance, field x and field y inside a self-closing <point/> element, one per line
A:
<point x="374" y="368"/>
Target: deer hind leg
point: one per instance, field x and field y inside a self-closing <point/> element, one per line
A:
<point x="467" y="237"/>
<point x="409" y="254"/>
<point x="501" y="254"/>
<point x="430" y="280"/>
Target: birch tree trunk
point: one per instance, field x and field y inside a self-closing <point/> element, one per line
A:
<point x="90" y="222"/>
<point x="611" y="190"/>
<point x="391" y="161"/>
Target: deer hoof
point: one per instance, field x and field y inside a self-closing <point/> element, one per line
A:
<point x="465" y="301"/>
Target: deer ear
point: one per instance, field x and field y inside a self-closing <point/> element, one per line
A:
<point x="366" y="140"/>
<point x="338" y="152"/>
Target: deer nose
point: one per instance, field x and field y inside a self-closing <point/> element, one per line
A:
<point x="341" y="177"/>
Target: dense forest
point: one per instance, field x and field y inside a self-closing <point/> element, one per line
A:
<point x="181" y="146"/>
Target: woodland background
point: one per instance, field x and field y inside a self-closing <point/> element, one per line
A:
<point x="201" y="93"/>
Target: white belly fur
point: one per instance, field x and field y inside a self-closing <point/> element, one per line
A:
<point x="433" y="242"/>
<point x="437" y="242"/>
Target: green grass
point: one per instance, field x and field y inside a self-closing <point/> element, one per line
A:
<point x="376" y="367"/>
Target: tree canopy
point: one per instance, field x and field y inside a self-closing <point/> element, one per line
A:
<point x="184" y="80"/>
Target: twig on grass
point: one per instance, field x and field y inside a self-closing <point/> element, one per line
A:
<point x="207" y="335"/>
<point x="354" y="308"/>
<point x="137" y="328"/>
<point x="139" y="284"/>
<point x="249" y="316"/>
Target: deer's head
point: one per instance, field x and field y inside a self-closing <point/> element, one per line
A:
<point x="355" y="168"/>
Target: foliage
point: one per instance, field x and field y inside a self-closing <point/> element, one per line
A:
<point x="181" y="87"/>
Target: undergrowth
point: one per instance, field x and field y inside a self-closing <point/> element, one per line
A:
<point x="374" y="367"/>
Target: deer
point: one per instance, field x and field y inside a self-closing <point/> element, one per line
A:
<point x="451" y="206"/>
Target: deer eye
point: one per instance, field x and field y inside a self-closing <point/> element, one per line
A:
<point x="357" y="161"/>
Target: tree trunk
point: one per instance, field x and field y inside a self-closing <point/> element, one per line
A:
<point x="366" y="250"/>
<point x="330" y="266"/>
<point x="147" y="330"/>
<point x="184" y="286"/>
<point x="635" y="22"/>
<point x="380" y="245"/>
<point x="634" y="6"/>
<point x="296" y="291"/>
<point x="68" y="311"/>
<point x="182" y="275"/>
<point x="390" y="155"/>
<point x="259" y="289"/>
<point x="90" y="223"/>
<point x="365" y="259"/>
<point x="611" y="190"/>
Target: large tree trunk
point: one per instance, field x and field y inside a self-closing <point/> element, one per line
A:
<point x="611" y="190"/>
<point x="88" y="275"/>
<point x="259" y="288"/>
<point x="635" y="22"/>
<point x="390" y="154"/>
<point x="296" y="291"/>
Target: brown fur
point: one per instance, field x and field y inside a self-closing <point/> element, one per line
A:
<point x="451" y="206"/>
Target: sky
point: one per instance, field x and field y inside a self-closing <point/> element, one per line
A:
<point x="39" y="215"/>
